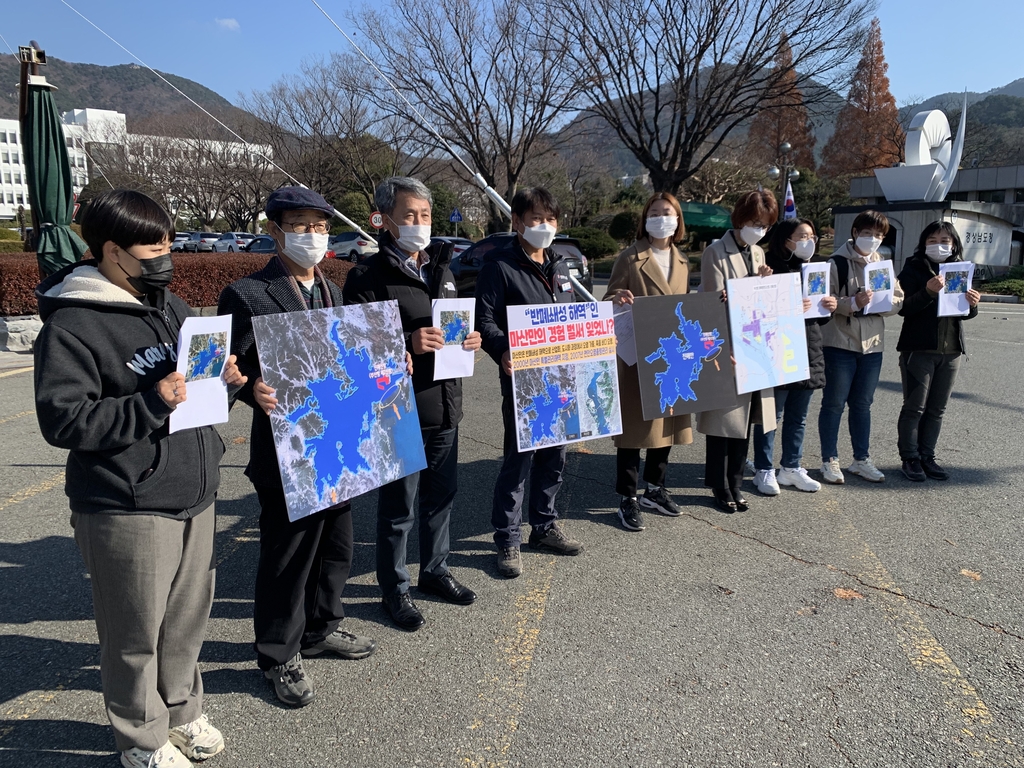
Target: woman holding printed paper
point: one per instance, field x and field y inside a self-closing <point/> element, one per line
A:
<point x="736" y="255"/>
<point x="651" y="266"/>
<point x="792" y="245"/>
<point x="931" y="343"/>
<point x="853" y="344"/>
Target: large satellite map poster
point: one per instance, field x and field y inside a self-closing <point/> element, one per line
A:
<point x="564" y="377"/>
<point x="346" y="419"/>
<point x="766" y="325"/>
<point x="682" y="350"/>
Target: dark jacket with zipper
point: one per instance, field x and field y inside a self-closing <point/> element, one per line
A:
<point x="98" y="359"/>
<point x="270" y="291"/>
<point x="510" y="278"/>
<point x="380" y="278"/>
<point x="815" y="355"/>
<point x="922" y="326"/>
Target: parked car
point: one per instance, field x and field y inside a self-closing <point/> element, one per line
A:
<point x="352" y="246"/>
<point x="466" y="265"/>
<point x="261" y="244"/>
<point x="230" y="242"/>
<point x="179" y="241"/>
<point x="459" y="244"/>
<point x="200" y="242"/>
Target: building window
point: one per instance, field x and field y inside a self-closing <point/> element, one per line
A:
<point x="1018" y="195"/>
<point x="7" y="177"/>
<point x="957" y="196"/>
<point x="14" y="158"/>
<point x="992" y="196"/>
<point x="3" y="137"/>
<point x="5" y="157"/>
<point x="10" y="198"/>
<point x="17" y="178"/>
<point x="21" y="198"/>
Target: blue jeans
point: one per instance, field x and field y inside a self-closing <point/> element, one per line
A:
<point x="791" y="409"/>
<point x="850" y="378"/>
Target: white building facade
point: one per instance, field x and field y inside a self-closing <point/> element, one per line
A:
<point x="13" y="176"/>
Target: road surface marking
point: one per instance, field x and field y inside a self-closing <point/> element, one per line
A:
<point x="16" y="416"/>
<point x="33" y="490"/>
<point x="15" y="372"/>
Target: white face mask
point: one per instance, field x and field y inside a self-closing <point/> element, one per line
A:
<point x="804" y="249"/>
<point x="752" y="235"/>
<point x="306" y="250"/>
<point x="662" y="226"/>
<point x="867" y="244"/>
<point x="540" y="236"/>
<point x="938" y="252"/>
<point x="413" y="238"/>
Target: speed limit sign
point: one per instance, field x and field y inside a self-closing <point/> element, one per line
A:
<point x="376" y="220"/>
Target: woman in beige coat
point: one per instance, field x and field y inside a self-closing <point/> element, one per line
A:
<point x="728" y="429"/>
<point x="651" y="266"/>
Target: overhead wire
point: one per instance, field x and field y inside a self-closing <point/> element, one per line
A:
<point x="8" y="46"/>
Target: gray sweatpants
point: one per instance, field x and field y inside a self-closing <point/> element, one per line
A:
<point x="152" y="589"/>
<point x="928" y="379"/>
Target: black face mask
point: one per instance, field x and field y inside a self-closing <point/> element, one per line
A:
<point x="157" y="274"/>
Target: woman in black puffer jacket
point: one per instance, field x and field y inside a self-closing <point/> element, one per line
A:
<point x="793" y="244"/>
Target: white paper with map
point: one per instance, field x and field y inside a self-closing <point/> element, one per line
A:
<point x="816" y="278"/>
<point x="957" y="278"/>
<point x="880" y="278"/>
<point x="766" y="327"/>
<point x="564" y="376"/>
<point x="455" y="318"/>
<point x="346" y="419"/>
<point x="203" y="345"/>
<point x="625" y="341"/>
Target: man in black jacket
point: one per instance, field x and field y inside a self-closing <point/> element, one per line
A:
<point x="525" y="271"/>
<point x="407" y="270"/>
<point x="303" y="565"/>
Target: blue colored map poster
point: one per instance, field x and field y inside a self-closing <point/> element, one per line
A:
<point x="682" y="350"/>
<point x="346" y="419"/>
<point x="564" y="377"/>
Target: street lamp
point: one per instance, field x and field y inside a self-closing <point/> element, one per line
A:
<point x="787" y="171"/>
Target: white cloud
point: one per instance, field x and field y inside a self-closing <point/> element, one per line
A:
<point x="231" y="25"/>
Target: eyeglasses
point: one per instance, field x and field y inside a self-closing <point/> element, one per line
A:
<point x="301" y="227"/>
<point x="812" y="238"/>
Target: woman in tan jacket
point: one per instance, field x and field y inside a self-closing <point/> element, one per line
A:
<point x="651" y="266"/>
<point x="728" y="429"/>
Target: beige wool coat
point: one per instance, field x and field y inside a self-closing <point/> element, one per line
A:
<point x="721" y="261"/>
<point x="636" y="270"/>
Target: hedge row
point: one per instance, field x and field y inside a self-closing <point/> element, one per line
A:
<point x="198" y="278"/>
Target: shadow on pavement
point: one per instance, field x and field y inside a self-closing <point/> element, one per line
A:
<point x="55" y="742"/>
<point x="51" y="566"/>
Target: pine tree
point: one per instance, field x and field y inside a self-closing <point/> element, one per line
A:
<point x="783" y="119"/>
<point x="868" y="132"/>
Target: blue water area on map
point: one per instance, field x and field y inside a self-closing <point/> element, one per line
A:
<point x="880" y="280"/>
<point x="208" y="361"/>
<point x="550" y="407"/>
<point x="595" y="397"/>
<point x="956" y="282"/>
<point x="685" y="359"/>
<point x="456" y="329"/>
<point x="816" y="284"/>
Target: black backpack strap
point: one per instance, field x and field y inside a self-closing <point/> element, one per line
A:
<point x="842" y="274"/>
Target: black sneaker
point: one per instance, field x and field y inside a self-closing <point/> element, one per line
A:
<point x="656" y="498"/>
<point x="912" y="469"/>
<point x="554" y="540"/>
<point x="630" y="516"/>
<point x="933" y="470"/>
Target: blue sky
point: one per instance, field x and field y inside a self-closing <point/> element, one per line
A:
<point x="233" y="46"/>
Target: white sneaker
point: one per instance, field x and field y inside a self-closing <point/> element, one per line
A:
<point x="749" y="470"/>
<point x="866" y="469"/>
<point x="831" y="473"/>
<point x="167" y="756"/>
<point x="799" y="479"/>
<point x="765" y="482"/>
<point x="197" y="740"/>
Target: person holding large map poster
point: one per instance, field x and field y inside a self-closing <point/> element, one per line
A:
<point x="853" y="344"/>
<point x="651" y="266"/>
<point x="930" y="346"/>
<point x="523" y="271"/>
<point x="735" y="256"/>
<point x="303" y="565"/>
<point x="408" y="269"/>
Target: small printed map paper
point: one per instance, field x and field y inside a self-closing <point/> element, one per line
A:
<point x="564" y="377"/>
<point x="957" y="278"/>
<point x="625" y="344"/>
<point x="455" y="318"/>
<point x="683" y="348"/>
<point x="880" y="278"/>
<point x="766" y="325"/>
<point x="346" y="419"/>
<point x="203" y="344"/>
<point x="816" y="278"/>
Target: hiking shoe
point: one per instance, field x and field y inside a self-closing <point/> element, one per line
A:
<point x="766" y="483"/>
<point x="655" y="497"/>
<point x="913" y="470"/>
<point x="831" y="473"/>
<point x="865" y="468"/>
<point x="510" y="562"/>
<point x="799" y="479"/>
<point x="344" y="644"/>
<point x="167" y="756"/>
<point x="554" y="540"/>
<point x="629" y="514"/>
<point x="933" y="470"/>
<point x="749" y="470"/>
<point x="197" y="740"/>
<point x="290" y="682"/>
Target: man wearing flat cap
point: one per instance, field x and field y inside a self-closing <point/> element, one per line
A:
<point x="303" y="565"/>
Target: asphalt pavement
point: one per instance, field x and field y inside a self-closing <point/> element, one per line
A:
<point x="859" y="626"/>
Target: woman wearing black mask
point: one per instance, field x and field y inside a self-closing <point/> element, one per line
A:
<point x="930" y="348"/>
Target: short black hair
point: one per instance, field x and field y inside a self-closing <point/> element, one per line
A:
<point x="946" y="228"/>
<point x="782" y="232"/>
<point x="126" y="218"/>
<point x="535" y="199"/>
<point x="870" y="220"/>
